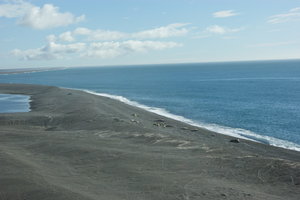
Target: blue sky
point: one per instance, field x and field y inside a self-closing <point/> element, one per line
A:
<point x="39" y="33"/>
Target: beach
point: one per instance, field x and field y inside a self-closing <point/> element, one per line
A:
<point x="76" y="145"/>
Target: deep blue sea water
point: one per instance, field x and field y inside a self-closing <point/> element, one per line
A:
<point x="255" y="100"/>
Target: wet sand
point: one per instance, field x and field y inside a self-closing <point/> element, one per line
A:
<point x="75" y="145"/>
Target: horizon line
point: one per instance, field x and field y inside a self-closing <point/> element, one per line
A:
<point x="149" y="64"/>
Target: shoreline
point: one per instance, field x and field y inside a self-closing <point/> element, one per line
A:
<point x="229" y="131"/>
<point x="75" y="145"/>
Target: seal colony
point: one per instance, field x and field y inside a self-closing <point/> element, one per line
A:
<point x="76" y="145"/>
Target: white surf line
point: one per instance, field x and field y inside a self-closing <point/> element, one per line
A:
<point x="234" y="132"/>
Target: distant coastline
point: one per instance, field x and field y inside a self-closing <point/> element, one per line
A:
<point x="28" y="70"/>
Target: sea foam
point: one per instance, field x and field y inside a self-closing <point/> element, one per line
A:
<point x="234" y="132"/>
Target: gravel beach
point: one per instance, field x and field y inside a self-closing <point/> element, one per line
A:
<point x="75" y="145"/>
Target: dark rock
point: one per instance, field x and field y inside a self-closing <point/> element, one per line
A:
<point x="235" y="140"/>
<point x="160" y="121"/>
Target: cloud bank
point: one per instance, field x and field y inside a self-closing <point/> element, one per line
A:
<point x="50" y="51"/>
<point x="103" y="43"/>
<point x="96" y="49"/>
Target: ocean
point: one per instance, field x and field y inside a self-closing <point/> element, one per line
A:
<point x="253" y="100"/>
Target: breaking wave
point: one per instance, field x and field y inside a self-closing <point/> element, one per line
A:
<point x="234" y="132"/>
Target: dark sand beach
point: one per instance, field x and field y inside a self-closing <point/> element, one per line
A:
<point x="75" y="145"/>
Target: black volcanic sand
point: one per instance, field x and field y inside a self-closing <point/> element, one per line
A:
<point x="74" y="145"/>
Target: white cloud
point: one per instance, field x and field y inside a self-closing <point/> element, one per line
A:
<point x="32" y="54"/>
<point x="51" y="51"/>
<point x="171" y="30"/>
<point x="103" y="50"/>
<point x="45" y="17"/>
<point x="66" y="37"/>
<point x="220" y="30"/>
<point x="142" y="46"/>
<point x="96" y="35"/>
<point x="99" y="50"/>
<point x="51" y="38"/>
<point x="292" y="15"/>
<point x="14" y="9"/>
<point x="114" y="49"/>
<point x="224" y="32"/>
<point x="224" y="14"/>
<point x="82" y="31"/>
<point x="114" y="43"/>
<point x="216" y="29"/>
<point x="295" y="9"/>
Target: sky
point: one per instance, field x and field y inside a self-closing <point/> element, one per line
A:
<point x="40" y="33"/>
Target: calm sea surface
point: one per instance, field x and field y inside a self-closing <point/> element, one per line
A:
<point x="254" y="100"/>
